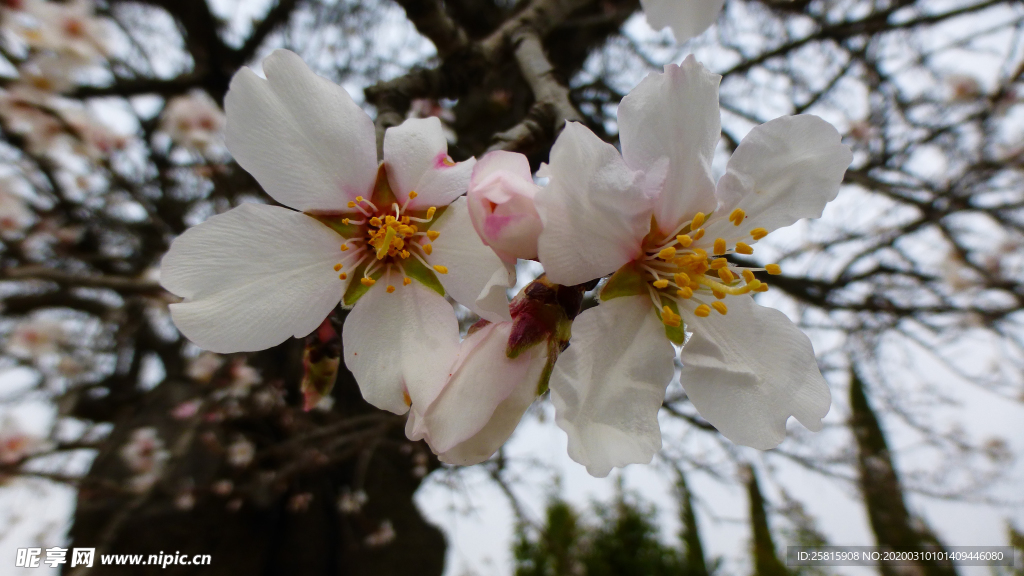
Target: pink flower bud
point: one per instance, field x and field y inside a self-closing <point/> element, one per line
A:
<point x="500" y="196"/>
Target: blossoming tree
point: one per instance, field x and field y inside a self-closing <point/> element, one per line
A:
<point x="272" y="269"/>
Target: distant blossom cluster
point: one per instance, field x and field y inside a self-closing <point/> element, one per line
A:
<point x="669" y="249"/>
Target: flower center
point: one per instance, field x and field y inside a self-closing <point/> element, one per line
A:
<point x="390" y="238"/>
<point x="681" y="270"/>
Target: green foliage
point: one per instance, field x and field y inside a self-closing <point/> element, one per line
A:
<point x="622" y="540"/>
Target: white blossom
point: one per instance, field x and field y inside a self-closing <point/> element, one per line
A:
<point x="654" y="219"/>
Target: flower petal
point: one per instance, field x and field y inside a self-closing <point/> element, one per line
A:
<point x="608" y="386"/>
<point x="484" y="380"/>
<point x="477" y="278"/>
<point x="674" y="115"/>
<point x="594" y="210"/>
<point x="400" y="342"/>
<point x="416" y="154"/>
<point x="784" y="170"/>
<point x="303" y="138"/>
<point x="499" y="428"/>
<point x="687" y="18"/>
<point x="252" y="277"/>
<point x="748" y="371"/>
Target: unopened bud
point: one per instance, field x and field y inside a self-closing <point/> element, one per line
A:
<point x="501" y="193"/>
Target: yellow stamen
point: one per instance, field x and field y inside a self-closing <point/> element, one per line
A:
<point x="430" y="212"/>
<point x="719" y="295"/>
<point x="428" y="248"/>
<point x="758" y="233"/>
<point x="748" y="276"/>
<point x="406" y="281"/>
<point x="351" y="204"/>
<point x="367" y="281"/>
<point x="667" y="253"/>
<point x="345" y="221"/>
<point x="762" y="288"/>
<point x="391" y="290"/>
<point x="755" y="285"/>
<point x="441" y="269"/>
<point x="663" y="283"/>
<point x="727" y="275"/>
<point x="342" y="276"/>
<point x="684" y="240"/>
<point x="670" y="318"/>
<point x="344" y="247"/>
<point x="719" y="263"/>
<point x="412" y="194"/>
<point x="773" y="269"/>
<point x="720" y="307"/>
<point x="698" y="219"/>
<point x="698" y="234"/>
<point x="375" y="222"/>
<point x="685" y="292"/>
<point x="359" y="198"/>
<point x="737" y="216"/>
<point x="433" y="234"/>
<point x="700" y="254"/>
<point x="744" y="248"/>
<point x="681" y="279"/>
<point x="337" y="267"/>
<point x="702" y="311"/>
<point x="719" y="246"/>
<point x="404" y="253"/>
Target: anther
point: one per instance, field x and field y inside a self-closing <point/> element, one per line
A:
<point x="719" y="263"/>
<point x="719" y="295"/>
<point x="375" y="221"/>
<point x="344" y="247"/>
<point x="698" y="219"/>
<point x="391" y="290"/>
<point x="351" y="204"/>
<point x="406" y="281"/>
<point x="755" y="285"/>
<point x="670" y="318"/>
<point x="430" y="212"/>
<point x="773" y="269"/>
<point x="698" y="234"/>
<point x="762" y="288"/>
<point x="748" y="276"/>
<point x="719" y="246"/>
<point x="441" y="269"/>
<point x="428" y="249"/>
<point x="667" y="253"/>
<point x="758" y="233"/>
<point x="726" y="275"/>
<point x="663" y="283"/>
<point x="342" y="276"/>
<point x="345" y="221"/>
<point x="359" y="198"/>
<point x="433" y="234"/>
<point x="412" y="194"/>
<point x="338" y="267"/>
<point x="685" y="292"/>
<point x="737" y="216"/>
<point x="720" y="307"/>
<point x="684" y="240"/>
<point x="702" y="311"/>
<point x="367" y="281"/>
<point x="744" y="248"/>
